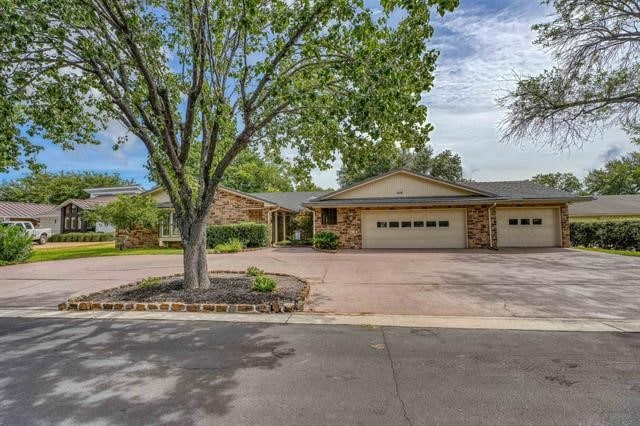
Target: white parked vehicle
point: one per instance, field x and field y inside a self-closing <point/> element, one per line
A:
<point x="41" y="235"/>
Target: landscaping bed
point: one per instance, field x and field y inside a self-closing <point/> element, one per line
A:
<point x="229" y="292"/>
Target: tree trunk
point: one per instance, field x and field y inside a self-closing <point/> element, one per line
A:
<point x="196" y="272"/>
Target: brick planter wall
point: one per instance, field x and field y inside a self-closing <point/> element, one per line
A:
<point x="137" y="238"/>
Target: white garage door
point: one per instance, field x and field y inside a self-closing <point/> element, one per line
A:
<point x="414" y="228"/>
<point x="528" y="227"/>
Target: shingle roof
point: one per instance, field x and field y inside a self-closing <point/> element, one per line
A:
<point x="89" y="203"/>
<point x="289" y="200"/>
<point x="519" y="189"/>
<point x="499" y="191"/>
<point x="23" y="210"/>
<point x="608" y="205"/>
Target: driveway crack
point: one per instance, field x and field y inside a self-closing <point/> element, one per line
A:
<point x="395" y="379"/>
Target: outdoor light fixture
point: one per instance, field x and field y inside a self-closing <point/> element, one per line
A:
<point x="350" y="217"/>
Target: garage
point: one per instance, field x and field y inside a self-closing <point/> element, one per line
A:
<point x="528" y="227"/>
<point x="417" y="228"/>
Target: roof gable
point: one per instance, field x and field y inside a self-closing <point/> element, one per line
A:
<point x="160" y="195"/>
<point x="403" y="183"/>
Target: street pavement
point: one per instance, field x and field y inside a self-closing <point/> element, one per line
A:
<point x="89" y="371"/>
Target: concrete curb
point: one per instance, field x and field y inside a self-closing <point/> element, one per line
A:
<point x="486" y="323"/>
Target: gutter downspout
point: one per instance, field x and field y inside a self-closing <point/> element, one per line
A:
<point x="491" y="227"/>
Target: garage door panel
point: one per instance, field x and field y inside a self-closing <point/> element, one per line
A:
<point x="524" y="227"/>
<point x="447" y="229"/>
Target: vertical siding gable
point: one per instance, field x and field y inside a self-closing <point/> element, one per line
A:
<point x="402" y="185"/>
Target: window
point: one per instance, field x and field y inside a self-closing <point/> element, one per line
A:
<point x="329" y="216"/>
<point x="168" y="227"/>
<point x="406" y="224"/>
<point x="28" y="225"/>
<point x="513" y="221"/>
<point x="381" y="224"/>
<point x="431" y="224"/>
<point x="537" y="221"/>
<point x="394" y="224"/>
<point x="525" y="222"/>
<point x="418" y="224"/>
<point x="443" y="224"/>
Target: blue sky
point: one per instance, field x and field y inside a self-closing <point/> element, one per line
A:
<point x="482" y="44"/>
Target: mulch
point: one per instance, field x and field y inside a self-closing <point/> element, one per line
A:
<point x="227" y="288"/>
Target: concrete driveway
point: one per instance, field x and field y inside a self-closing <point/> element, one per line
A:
<point x="551" y="283"/>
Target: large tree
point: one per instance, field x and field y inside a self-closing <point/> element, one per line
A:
<point x="595" y="83"/>
<point x="318" y="77"/>
<point x="55" y="188"/>
<point x="562" y="181"/>
<point x="619" y="176"/>
<point x="444" y="165"/>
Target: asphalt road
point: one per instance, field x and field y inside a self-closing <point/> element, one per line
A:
<point x="164" y="372"/>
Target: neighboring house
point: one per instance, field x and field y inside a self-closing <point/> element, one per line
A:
<point x="71" y="211"/>
<point x="607" y="207"/>
<point x="37" y="214"/>
<point x="276" y="209"/>
<point x="398" y="209"/>
<point x="402" y="209"/>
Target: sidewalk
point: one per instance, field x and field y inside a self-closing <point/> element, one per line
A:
<point x="369" y="320"/>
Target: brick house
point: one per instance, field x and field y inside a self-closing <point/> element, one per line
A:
<point x="276" y="209"/>
<point x="398" y="209"/>
<point x="403" y="209"/>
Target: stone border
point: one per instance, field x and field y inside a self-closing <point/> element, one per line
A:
<point x="269" y="307"/>
<point x="324" y="250"/>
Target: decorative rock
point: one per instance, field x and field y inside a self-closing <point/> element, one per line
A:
<point x="264" y="307"/>
<point x="152" y="306"/>
<point x="244" y="308"/>
<point x="275" y="306"/>
<point x="141" y="307"/>
<point x="73" y="305"/>
<point x="193" y="308"/>
<point x="62" y="306"/>
<point x="107" y="306"/>
<point x="164" y="306"/>
<point x="231" y="308"/>
<point x="177" y="306"/>
<point x="96" y="305"/>
<point x="209" y="308"/>
<point x="118" y="306"/>
<point x="222" y="308"/>
<point x="299" y="305"/>
<point x="289" y="307"/>
<point x="128" y="306"/>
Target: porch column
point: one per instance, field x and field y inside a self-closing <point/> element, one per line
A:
<point x="284" y="226"/>
<point x="275" y="220"/>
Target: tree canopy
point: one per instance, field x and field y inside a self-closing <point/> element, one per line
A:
<point x="250" y="173"/>
<point x="595" y="83"/>
<point x="127" y="212"/>
<point x="444" y="165"/>
<point x="561" y="181"/>
<point x="55" y="188"/>
<point x="619" y="176"/>
<point x="318" y="78"/>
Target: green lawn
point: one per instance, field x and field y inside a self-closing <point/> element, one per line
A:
<point x="100" y="249"/>
<point x="611" y="251"/>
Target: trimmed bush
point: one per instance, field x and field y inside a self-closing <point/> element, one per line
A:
<point x="81" y="236"/>
<point x="254" y="271"/>
<point x="231" y="246"/>
<point x="251" y="234"/>
<point x="264" y="284"/>
<point x="15" y="244"/>
<point x="325" y="240"/>
<point x="620" y="235"/>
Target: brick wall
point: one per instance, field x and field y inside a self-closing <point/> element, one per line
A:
<point x="137" y="238"/>
<point x="231" y="208"/>
<point x="564" y="226"/>
<point x="349" y="230"/>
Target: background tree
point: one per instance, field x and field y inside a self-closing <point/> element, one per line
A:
<point x="316" y="77"/>
<point x="620" y="176"/>
<point x="444" y="165"/>
<point x="250" y="173"/>
<point x="126" y="213"/>
<point x="595" y="83"/>
<point x="55" y="188"/>
<point x="567" y="182"/>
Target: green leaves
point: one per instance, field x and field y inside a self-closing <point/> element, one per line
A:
<point x="128" y="212"/>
